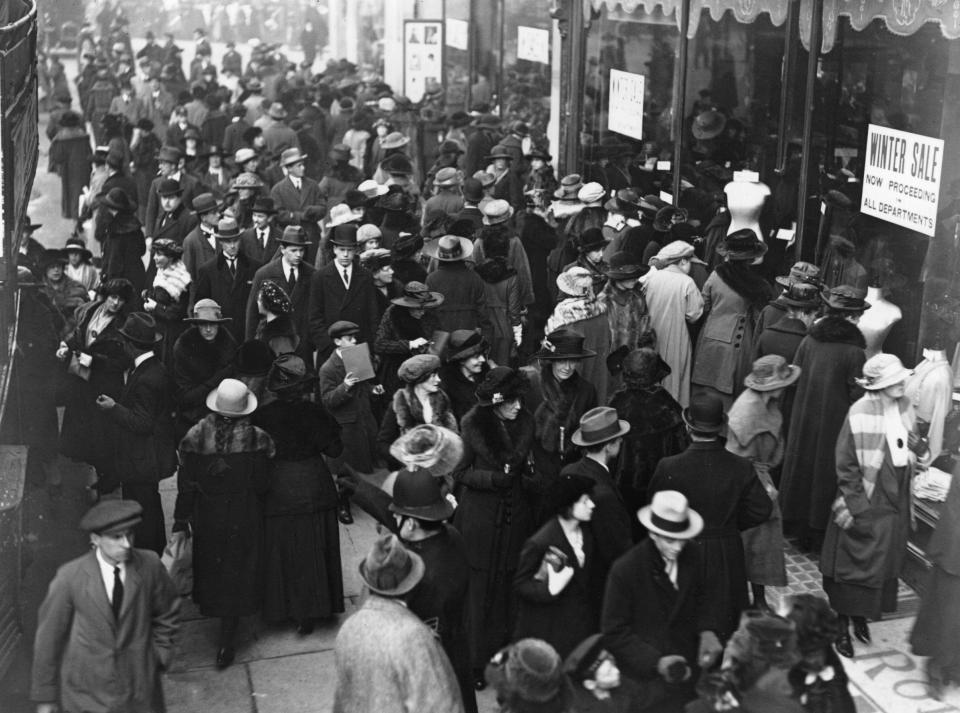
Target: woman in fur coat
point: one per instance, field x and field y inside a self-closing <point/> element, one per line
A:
<point x="420" y="400"/>
<point x="493" y="513"/>
<point x="406" y="329"/>
<point x="168" y="293"/>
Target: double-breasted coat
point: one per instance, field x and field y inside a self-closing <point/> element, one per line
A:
<point x="292" y="204"/>
<point x="85" y="659"/>
<point x="300" y="299"/>
<point x="191" y="188"/>
<point x="70" y="157"/>
<point x="231" y="292"/>
<point x="330" y="300"/>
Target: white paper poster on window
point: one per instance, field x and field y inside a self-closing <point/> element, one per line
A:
<point x="533" y="44"/>
<point x="901" y="178"/>
<point x="626" y="104"/>
<point x="457" y="34"/>
<point x="422" y="56"/>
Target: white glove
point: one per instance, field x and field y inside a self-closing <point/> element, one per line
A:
<point x="556" y="581"/>
<point x="518" y="334"/>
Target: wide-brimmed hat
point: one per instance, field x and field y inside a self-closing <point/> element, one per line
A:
<point x="277" y="111"/>
<point x="207" y="311"/>
<point x="845" y="298"/>
<point x="599" y="425"/>
<point x="623" y="266"/>
<point x="576" y="281"/>
<point x="52" y="257"/>
<point x="76" y="244"/>
<point x="465" y="343"/>
<point x="708" y="124"/>
<point x="800" y="272"/>
<point x="342" y="213"/>
<point x="563" y="343"/>
<point x="417" y="296"/>
<point x="450" y="248"/>
<point x="742" y="245"/>
<point x="204" y="203"/>
<point x="569" y="188"/>
<point x="112" y="516"/>
<point x="372" y="189"/>
<point x="394" y="140"/>
<point x="591" y="193"/>
<point x="232" y="398"/>
<point x="591" y="239"/>
<point x="140" y="328"/>
<point x="287" y="372"/>
<point x="247" y="179"/>
<point x="429" y="446"/>
<point x="669" y="514"/>
<point x="501" y="384"/>
<point x="295" y="236"/>
<point x="529" y="672"/>
<point x="771" y="372"/>
<point x="705" y="414"/>
<point x="803" y="295"/>
<point x="168" y="247"/>
<point x="625" y="201"/>
<point x="496" y="212"/>
<point x="389" y="569"/>
<point x="397" y="164"/>
<point x="407" y="245"/>
<point x="169" y="187"/>
<point x="500" y="151"/>
<point x="263" y="204"/>
<point x="448" y="176"/>
<point x="292" y="156"/>
<point x="883" y="370"/>
<point x="417" y="494"/>
<point x="395" y="200"/>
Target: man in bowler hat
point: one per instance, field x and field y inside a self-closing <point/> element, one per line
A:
<point x="106" y="628"/>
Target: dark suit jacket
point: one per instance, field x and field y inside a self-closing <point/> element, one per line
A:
<point x="300" y="299"/>
<point x="232" y="293"/>
<point x="181" y="222"/>
<point x="331" y="301"/>
<point x="291" y="205"/>
<point x="75" y="662"/>
<point x="143" y="425"/>
<point x="251" y="247"/>
<point x="191" y="188"/>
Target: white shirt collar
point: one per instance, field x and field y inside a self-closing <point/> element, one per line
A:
<point x="106" y="573"/>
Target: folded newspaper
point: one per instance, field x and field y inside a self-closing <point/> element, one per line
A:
<point x="932" y="484"/>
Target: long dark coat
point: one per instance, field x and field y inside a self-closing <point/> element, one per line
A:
<point x="123" y="247"/>
<point x="300" y="300"/>
<point x="330" y="301"/>
<point x="724" y="489"/>
<point x="191" y="189"/>
<point x="198" y="368"/>
<point x="783" y="338"/>
<point x="565" y="619"/>
<point x="495" y="519"/>
<point x="291" y="205"/>
<point x="223" y="477"/>
<point x="231" y="292"/>
<point x="459" y="389"/>
<point x="76" y="662"/>
<point x="465" y="302"/>
<point x="831" y="357"/>
<point x="391" y="345"/>
<point x="70" y="158"/>
<point x="255" y="250"/>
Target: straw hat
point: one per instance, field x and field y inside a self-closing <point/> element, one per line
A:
<point x="883" y="370"/>
<point x="771" y="372"/>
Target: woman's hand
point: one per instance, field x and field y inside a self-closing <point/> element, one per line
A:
<point x="63" y="352"/>
<point x="417" y="343"/>
<point x="149" y="305"/>
<point x="557" y="581"/>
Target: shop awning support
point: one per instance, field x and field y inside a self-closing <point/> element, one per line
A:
<point x="680" y="96"/>
<point x="806" y="154"/>
<point x="572" y="26"/>
<point x="786" y="95"/>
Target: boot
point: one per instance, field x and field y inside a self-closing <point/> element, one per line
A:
<point x="861" y="630"/>
<point x="843" y="644"/>
<point x="343" y="509"/>
<point x="228" y="632"/>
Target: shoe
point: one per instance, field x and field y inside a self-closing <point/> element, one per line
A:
<point x="479" y="682"/>
<point x="861" y="630"/>
<point x="844" y="645"/>
<point x="935" y="684"/>
<point x="305" y="627"/>
<point x="343" y="514"/>
<point x="225" y="657"/>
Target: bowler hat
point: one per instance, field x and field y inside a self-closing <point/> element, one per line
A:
<point x="415" y="368"/>
<point x="742" y="245"/>
<point x="417" y="296"/>
<point x="429" y="446"/>
<point x="670" y="515"/>
<point x="292" y="156"/>
<point x="207" y="311"/>
<point x="389" y="569"/>
<point x="232" y="399"/>
<point x="227" y="229"/>
<point x="450" y="248"/>
<point x="112" y="516"/>
<point x="169" y="187"/>
<point x="771" y="372"/>
<point x="501" y="384"/>
<point x="263" y="204"/>
<point x="344" y="235"/>
<point x="342" y="328"/>
<point x="564" y="343"/>
<point x="288" y="372"/>
<point x="417" y="494"/>
<point x="622" y="266"/>
<point x="465" y="343"/>
<point x="845" y="298"/>
<point x="472" y="190"/>
<point x="599" y="425"/>
<point x="496" y="212"/>
<point x="140" y="328"/>
<point x="294" y="236"/>
<point x="204" y="203"/>
<point x="704" y="414"/>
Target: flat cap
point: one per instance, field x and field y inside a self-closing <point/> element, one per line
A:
<point x="672" y="252"/>
<point x="109" y="516"/>
<point x="342" y="328"/>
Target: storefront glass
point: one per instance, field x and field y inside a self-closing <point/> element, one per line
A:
<point x="456" y="56"/>
<point x="486" y="44"/>
<point x="526" y="65"/>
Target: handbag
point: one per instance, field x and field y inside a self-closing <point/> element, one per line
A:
<point x="178" y="559"/>
<point x="77" y="368"/>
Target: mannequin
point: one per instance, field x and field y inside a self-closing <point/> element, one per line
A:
<point x="878" y="320"/>
<point x="929" y="390"/>
<point x="745" y="201"/>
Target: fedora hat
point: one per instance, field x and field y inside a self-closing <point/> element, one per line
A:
<point x="207" y="311"/>
<point x="500" y="151"/>
<point x="416" y="494"/>
<point x="771" y="372"/>
<point x="845" y="298"/>
<point x="465" y="343"/>
<point x="742" y="245"/>
<point x="227" y="229"/>
<point x="277" y="111"/>
<point x="264" y="204"/>
<point x="800" y="272"/>
<point x="429" y="446"/>
<point x="599" y="425"/>
<point x="77" y="244"/>
<point x="622" y="266"/>
<point x="708" y="124"/>
<point x="576" y="281"/>
<point x="705" y="414"/>
<point x="496" y="212"/>
<point x="140" y="328"/>
<point x="344" y="235"/>
<point x="204" y="203"/>
<point x="669" y="514"/>
<point x="450" y="248"/>
<point x="118" y="200"/>
<point x="883" y="370"/>
<point x="448" y="176"/>
<point x="169" y="187"/>
<point x="293" y="235"/>
<point x="170" y="154"/>
<point x="563" y="343"/>
<point x="247" y="179"/>
<point x="569" y="188"/>
<point x="292" y="156"/>
<point x="417" y="296"/>
<point x="625" y="201"/>
<point x="232" y="398"/>
<point x="802" y="295"/>
<point x="289" y="371"/>
<point x="397" y="164"/>
<point x="389" y="569"/>
<point x="394" y="140"/>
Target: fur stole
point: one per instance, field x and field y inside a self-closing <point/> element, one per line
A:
<point x="497" y="442"/>
<point x="837" y="330"/>
<point x="216" y="435"/>
<point x="409" y="328"/>
<point x="494" y="270"/>
<point x="199" y="355"/>
<point x="746" y="282"/>
<point x="627" y="315"/>
<point x="574" y="309"/>
<point x="174" y="279"/>
<point x="409" y="410"/>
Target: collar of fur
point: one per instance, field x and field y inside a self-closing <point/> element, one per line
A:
<point x="216" y="435"/>
<point x="409" y="410"/>
<point x="191" y="344"/>
<point x="494" y="270"/>
<point x="837" y="330"/>
<point x="497" y="441"/>
<point x="174" y="278"/>
<point x="282" y="326"/>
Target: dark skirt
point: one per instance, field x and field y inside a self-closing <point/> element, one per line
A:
<point x="857" y="600"/>
<point x="936" y="632"/>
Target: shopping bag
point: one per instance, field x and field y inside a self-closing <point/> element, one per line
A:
<point x="178" y="559"/>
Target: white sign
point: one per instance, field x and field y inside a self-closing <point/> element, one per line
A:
<point x="901" y="178"/>
<point x="457" y="34"/>
<point x="422" y="57"/>
<point x="746" y="177"/>
<point x="533" y="44"/>
<point x="626" y="104"/>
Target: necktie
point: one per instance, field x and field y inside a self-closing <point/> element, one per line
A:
<point x="232" y="266"/>
<point x="670" y="566"/>
<point x="263" y="239"/>
<point x="292" y="280"/>
<point x="117" y="602"/>
<point x="346" y="278"/>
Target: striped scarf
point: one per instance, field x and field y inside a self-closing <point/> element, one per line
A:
<point x="874" y="423"/>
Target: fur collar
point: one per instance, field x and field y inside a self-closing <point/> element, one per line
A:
<point x="282" y="326"/>
<point x="493" y="441"/>
<point x="494" y="270"/>
<point x="837" y="330"/>
<point x="409" y="410"/>
<point x="192" y="347"/>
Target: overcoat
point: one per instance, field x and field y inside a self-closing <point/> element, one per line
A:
<point x="123" y="246"/>
<point x="831" y="357"/>
<point x="502" y="290"/>
<point x="231" y="292"/>
<point x="198" y="368"/>
<point x="464" y="304"/>
<point x="291" y="205"/>
<point x="723" y="488"/>
<point x="174" y="226"/>
<point x="783" y="337"/>
<point x="70" y="157"/>
<point x="300" y="300"/>
<point x="85" y="659"/>
<point x="351" y="409"/>
<point x="197" y="250"/>
<point x="329" y="301"/>
<point x="392" y="343"/>
<point x="259" y="253"/>
<point x="191" y="188"/>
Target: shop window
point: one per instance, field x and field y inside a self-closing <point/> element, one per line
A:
<point x="526" y="65"/>
<point x="456" y="57"/>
